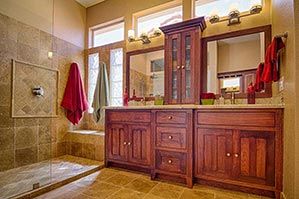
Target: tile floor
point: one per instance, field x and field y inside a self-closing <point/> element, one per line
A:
<point x="19" y="180"/>
<point x="118" y="184"/>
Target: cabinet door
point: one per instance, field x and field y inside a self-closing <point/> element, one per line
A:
<point x="140" y="144"/>
<point x="188" y="66"/>
<point x="213" y="153"/>
<point x="117" y="142"/>
<point x="173" y="74"/>
<point x="254" y="157"/>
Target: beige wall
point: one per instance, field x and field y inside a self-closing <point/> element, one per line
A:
<point x="297" y="97"/>
<point x="101" y="13"/>
<point x="36" y="13"/>
<point x="69" y="17"/>
<point x="238" y="56"/>
<point x="69" y="21"/>
<point x="283" y="20"/>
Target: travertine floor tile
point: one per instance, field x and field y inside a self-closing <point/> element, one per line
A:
<point x="127" y="194"/>
<point x="120" y="184"/>
<point x="121" y="179"/>
<point x="141" y="185"/>
<point x="164" y="190"/>
<point x="196" y="194"/>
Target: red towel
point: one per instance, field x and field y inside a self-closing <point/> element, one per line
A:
<point x="270" y="72"/>
<point x="74" y="99"/>
<point x="259" y="84"/>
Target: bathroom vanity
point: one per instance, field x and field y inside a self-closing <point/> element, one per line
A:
<point x="230" y="146"/>
<point x="239" y="147"/>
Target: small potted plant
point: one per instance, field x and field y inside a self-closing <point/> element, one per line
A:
<point x="207" y="98"/>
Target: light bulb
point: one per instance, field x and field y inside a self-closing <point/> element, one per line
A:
<point x="131" y="33"/>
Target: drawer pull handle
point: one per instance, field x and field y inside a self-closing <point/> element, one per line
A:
<point x="228" y="154"/>
<point x="129" y="143"/>
<point x="236" y="155"/>
<point x="170" y="137"/>
<point x="125" y="143"/>
<point x="169" y="161"/>
<point x="169" y="117"/>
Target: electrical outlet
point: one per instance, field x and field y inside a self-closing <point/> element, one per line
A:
<point x="281" y="84"/>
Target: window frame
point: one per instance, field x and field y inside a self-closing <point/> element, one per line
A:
<point x="154" y="10"/>
<point x="93" y="29"/>
<point x="244" y="13"/>
<point x="110" y="79"/>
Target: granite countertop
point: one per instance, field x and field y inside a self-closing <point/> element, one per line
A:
<point x="194" y="106"/>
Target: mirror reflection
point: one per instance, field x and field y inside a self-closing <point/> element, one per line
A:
<point x="232" y="62"/>
<point x="147" y="74"/>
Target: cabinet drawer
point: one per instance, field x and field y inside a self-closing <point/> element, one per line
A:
<point x="173" y="117"/>
<point x="171" y="137"/>
<point x="171" y="161"/>
<point x="266" y="119"/>
<point x="129" y="116"/>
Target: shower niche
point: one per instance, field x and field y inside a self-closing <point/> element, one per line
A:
<point x="34" y="90"/>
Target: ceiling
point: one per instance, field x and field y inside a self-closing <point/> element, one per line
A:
<point x="88" y="3"/>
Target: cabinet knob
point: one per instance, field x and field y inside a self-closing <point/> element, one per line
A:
<point x="125" y="143"/>
<point x="183" y="67"/>
<point x="170" y="137"/>
<point x="169" y="161"/>
<point x="236" y="155"/>
<point x="178" y="67"/>
<point x="228" y="154"/>
<point x="170" y="117"/>
<point x="129" y="143"/>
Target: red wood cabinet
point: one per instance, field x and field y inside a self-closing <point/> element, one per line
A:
<point x="117" y="142"/>
<point x="139" y="144"/>
<point x="182" y="61"/>
<point x="214" y="152"/>
<point x="231" y="148"/>
<point x="254" y="157"/>
<point x="173" y="144"/>
<point x="238" y="152"/>
<point x="128" y="141"/>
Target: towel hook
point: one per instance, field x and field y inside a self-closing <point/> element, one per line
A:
<point x="284" y="35"/>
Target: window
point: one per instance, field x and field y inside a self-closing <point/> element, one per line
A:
<point x="148" y="23"/>
<point x="93" y="70"/>
<point x="108" y="34"/>
<point x="222" y="7"/>
<point x="116" y="77"/>
<point x="231" y="84"/>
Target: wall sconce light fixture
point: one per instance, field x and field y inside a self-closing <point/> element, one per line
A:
<point x="234" y="16"/>
<point x="144" y="37"/>
<point x="256" y="9"/>
<point x="214" y="18"/>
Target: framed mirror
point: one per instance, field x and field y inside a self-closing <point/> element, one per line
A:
<point x="231" y="59"/>
<point x="145" y="72"/>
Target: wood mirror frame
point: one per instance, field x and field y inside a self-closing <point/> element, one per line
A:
<point x="268" y="37"/>
<point x="137" y="52"/>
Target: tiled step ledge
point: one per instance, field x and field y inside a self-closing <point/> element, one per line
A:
<point x="88" y="132"/>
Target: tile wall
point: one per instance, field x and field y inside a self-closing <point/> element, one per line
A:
<point x="25" y="141"/>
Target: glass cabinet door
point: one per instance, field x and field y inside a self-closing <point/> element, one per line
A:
<point x="187" y="67"/>
<point x="174" y="67"/>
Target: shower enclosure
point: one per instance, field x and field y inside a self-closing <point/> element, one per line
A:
<point x="34" y="65"/>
